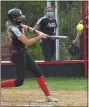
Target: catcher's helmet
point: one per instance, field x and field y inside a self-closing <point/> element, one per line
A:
<point x="73" y="50"/>
<point x="15" y="15"/>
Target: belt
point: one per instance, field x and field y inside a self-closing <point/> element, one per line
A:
<point x="18" y="49"/>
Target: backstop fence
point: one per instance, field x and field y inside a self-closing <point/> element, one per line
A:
<point x="69" y="17"/>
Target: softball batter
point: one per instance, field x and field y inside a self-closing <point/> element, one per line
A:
<point x="20" y="57"/>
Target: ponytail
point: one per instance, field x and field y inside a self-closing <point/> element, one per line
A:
<point x="8" y="26"/>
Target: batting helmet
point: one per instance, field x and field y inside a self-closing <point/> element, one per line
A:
<point x="73" y="50"/>
<point x="15" y="15"/>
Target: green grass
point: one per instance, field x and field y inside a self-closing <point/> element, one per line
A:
<point x="57" y="83"/>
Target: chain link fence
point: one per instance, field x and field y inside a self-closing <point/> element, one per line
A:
<point x="69" y="16"/>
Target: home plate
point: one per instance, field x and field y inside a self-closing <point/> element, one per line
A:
<point x="25" y="105"/>
<point x="48" y="104"/>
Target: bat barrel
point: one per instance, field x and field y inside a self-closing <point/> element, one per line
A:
<point x="58" y="37"/>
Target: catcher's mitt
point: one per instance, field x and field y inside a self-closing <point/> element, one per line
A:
<point x="73" y="50"/>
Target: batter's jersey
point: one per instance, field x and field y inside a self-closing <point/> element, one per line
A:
<point x="47" y="25"/>
<point x="16" y="31"/>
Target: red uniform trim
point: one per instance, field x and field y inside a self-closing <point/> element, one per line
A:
<point x="48" y="62"/>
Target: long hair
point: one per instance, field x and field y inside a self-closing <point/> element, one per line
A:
<point x="8" y="25"/>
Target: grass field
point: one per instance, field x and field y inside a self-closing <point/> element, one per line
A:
<point x="58" y="83"/>
<point x="69" y="91"/>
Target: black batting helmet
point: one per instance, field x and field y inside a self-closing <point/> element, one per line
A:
<point x="15" y="15"/>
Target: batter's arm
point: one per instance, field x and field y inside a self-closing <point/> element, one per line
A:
<point x="28" y="42"/>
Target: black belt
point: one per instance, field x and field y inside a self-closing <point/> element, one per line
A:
<point x="16" y="50"/>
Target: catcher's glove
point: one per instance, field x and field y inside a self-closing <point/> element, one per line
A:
<point x="73" y="50"/>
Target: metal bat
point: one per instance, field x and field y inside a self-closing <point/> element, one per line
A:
<point x="58" y="37"/>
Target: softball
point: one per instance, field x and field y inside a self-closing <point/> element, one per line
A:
<point x="80" y="27"/>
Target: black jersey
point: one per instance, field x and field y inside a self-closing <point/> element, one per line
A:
<point x="16" y="31"/>
<point x="47" y="25"/>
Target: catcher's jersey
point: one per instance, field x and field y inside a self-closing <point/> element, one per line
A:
<point x="47" y="26"/>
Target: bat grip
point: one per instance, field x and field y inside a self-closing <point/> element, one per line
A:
<point x="50" y="38"/>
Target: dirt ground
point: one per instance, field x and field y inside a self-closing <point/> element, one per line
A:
<point x="35" y="98"/>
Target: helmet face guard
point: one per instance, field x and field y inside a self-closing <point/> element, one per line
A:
<point x="19" y="20"/>
<point x="15" y="15"/>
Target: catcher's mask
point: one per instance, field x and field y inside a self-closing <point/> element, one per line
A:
<point x="15" y="15"/>
<point x="73" y="50"/>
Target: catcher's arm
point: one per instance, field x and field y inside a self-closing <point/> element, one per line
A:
<point x="76" y="41"/>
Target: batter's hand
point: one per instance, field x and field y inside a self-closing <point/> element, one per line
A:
<point x="43" y="35"/>
<point x="24" y="26"/>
